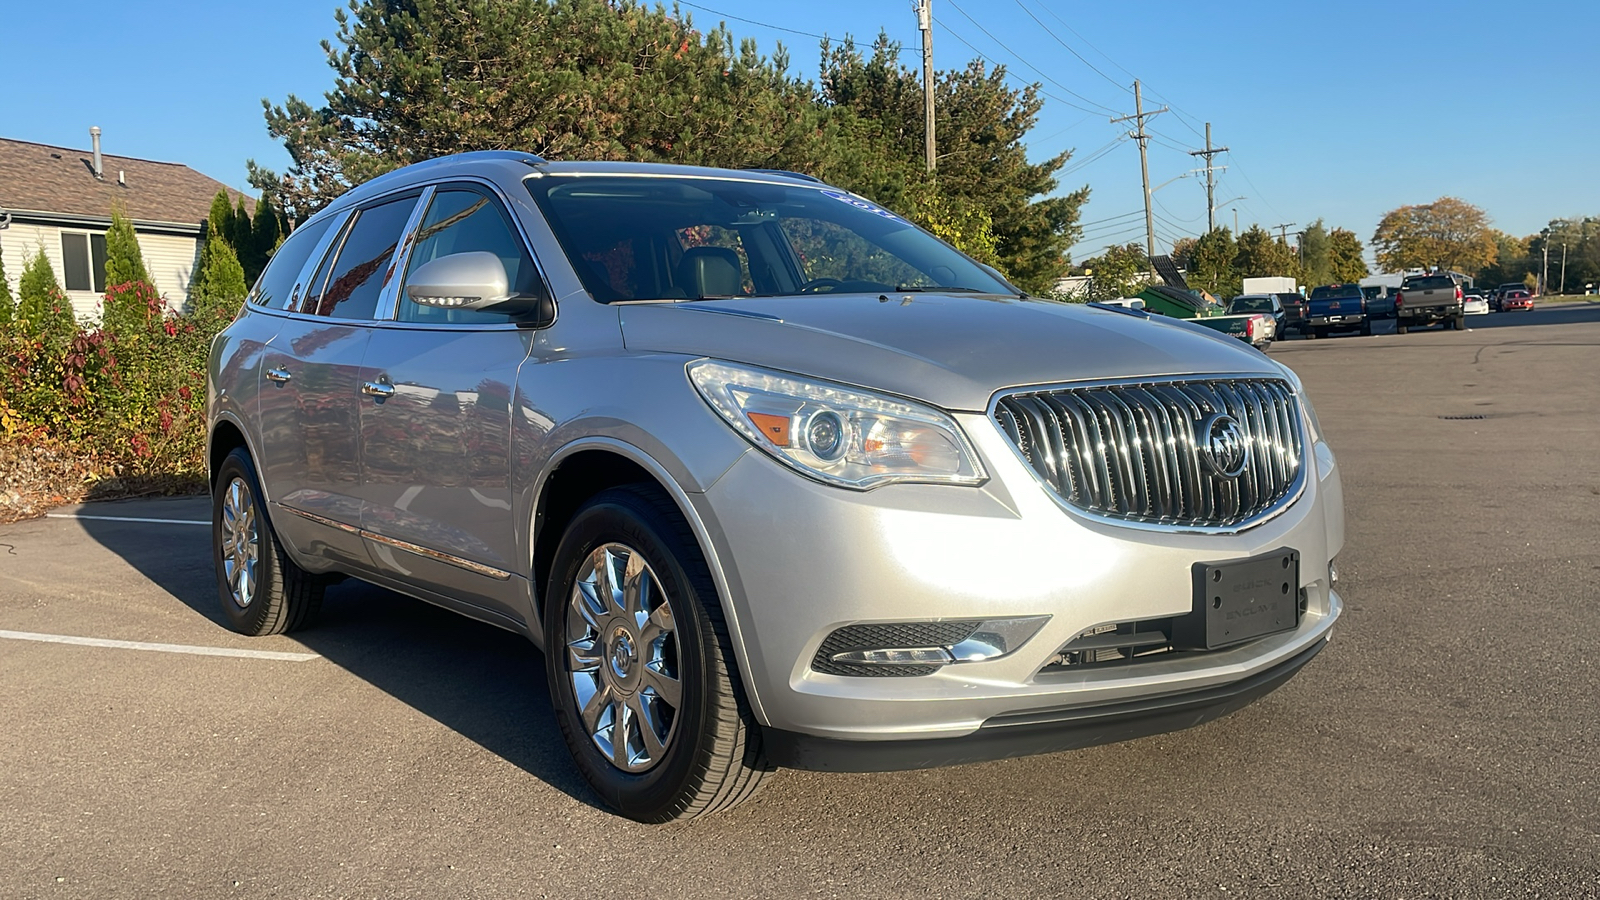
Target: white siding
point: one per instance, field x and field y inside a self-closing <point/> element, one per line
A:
<point x="170" y="259"/>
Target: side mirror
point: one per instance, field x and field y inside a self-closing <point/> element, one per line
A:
<point x="475" y="280"/>
<point x="471" y="280"/>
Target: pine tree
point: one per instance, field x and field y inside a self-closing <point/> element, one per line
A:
<point x="265" y="232"/>
<point x="239" y="237"/>
<point x="219" y="281"/>
<point x="42" y="307"/>
<point x="219" y="223"/>
<point x="124" y="261"/>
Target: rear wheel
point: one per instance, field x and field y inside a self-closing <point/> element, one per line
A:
<point x="642" y="674"/>
<point x="1399" y="326"/>
<point x="261" y="589"/>
<point x="1366" y="328"/>
<point x="1459" y="322"/>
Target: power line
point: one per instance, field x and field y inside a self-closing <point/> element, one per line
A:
<point x="1080" y="56"/>
<point x="752" y="21"/>
<point x="1018" y="56"/>
<point x="983" y="56"/>
<point x="1125" y="215"/>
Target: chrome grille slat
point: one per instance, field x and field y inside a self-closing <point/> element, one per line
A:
<point x="1132" y="451"/>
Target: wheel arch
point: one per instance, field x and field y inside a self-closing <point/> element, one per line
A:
<point x="590" y="466"/>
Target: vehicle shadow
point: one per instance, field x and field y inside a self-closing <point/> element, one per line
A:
<point x="484" y="683"/>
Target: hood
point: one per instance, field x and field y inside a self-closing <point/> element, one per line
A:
<point x="950" y="350"/>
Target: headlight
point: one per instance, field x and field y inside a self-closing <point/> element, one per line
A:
<point x="836" y="434"/>
<point x="1312" y="424"/>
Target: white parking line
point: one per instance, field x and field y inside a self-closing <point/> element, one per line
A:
<point x="126" y="519"/>
<point x="160" y="648"/>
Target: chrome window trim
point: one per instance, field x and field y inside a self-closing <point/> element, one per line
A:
<point x="389" y="297"/>
<point x="419" y="550"/>
<point x="1296" y="490"/>
<point x="348" y="227"/>
<point x="509" y="212"/>
<point x="340" y="219"/>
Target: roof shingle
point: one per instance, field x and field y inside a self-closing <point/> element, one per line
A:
<point x="41" y="178"/>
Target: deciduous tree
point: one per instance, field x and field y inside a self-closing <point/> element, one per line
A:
<point x="1260" y="254"/>
<point x="1121" y="271"/>
<point x="1211" y="264"/>
<point x="1448" y="234"/>
<point x="1314" y="254"/>
<point x="1345" y="262"/>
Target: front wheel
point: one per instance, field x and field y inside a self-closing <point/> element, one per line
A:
<point x="642" y="674"/>
<point x="262" y="590"/>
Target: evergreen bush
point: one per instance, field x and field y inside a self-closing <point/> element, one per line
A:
<point x="124" y="261"/>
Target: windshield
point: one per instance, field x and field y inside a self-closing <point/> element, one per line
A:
<point x="686" y="238"/>
<point x="1250" y="304"/>
<point x="1336" y="292"/>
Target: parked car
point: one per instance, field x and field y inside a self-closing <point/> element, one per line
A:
<point x="1517" y="299"/>
<point x="1380" y="301"/>
<point x="1474" y="305"/>
<point x="1294" y="312"/>
<point x="1265" y="304"/>
<point x="1426" y="300"/>
<point x="775" y="477"/>
<point x="1337" y="307"/>
<point x="1499" y="293"/>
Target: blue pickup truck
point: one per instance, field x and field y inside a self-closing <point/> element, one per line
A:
<point x="1337" y="307"/>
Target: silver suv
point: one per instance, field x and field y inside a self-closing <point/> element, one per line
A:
<point x="773" y="476"/>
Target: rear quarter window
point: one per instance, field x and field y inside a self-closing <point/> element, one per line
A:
<point x="277" y="282"/>
<point x="1429" y="283"/>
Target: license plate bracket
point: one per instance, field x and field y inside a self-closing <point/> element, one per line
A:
<point x="1241" y="600"/>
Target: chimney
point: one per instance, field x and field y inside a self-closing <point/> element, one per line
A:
<point x="94" y="135"/>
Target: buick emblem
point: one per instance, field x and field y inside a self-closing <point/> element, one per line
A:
<point x="1223" y="445"/>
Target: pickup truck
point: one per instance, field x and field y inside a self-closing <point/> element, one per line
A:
<point x="1255" y="329"/>
<point x="1426" y="300"/>
<point x="1337" y="307"/>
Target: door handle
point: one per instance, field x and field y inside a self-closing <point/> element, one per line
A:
<point x="279" y="375"/>
<point x="377" y="389"/>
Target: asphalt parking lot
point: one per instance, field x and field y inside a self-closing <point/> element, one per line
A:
<point x="1446" y="744"/>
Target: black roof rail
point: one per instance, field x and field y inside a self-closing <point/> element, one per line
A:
<point x="800" y="175"/>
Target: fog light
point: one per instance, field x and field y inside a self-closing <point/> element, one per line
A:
<point x="921" y="648"/>
<point x="895" y="656"/>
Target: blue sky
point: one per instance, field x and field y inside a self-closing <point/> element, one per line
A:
<point x="1339" y="111"/>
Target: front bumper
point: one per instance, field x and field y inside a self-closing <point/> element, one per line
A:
<point x="1024" y="734"/>
<point x="799" y="559"/>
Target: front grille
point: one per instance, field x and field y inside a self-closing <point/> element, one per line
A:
<point x="1163" y="452"/>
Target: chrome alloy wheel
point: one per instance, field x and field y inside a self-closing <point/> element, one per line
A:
<point x="622" y="658"/>
<point x="241" y="542"/>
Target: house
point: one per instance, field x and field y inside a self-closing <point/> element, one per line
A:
<point x="60" y="200"/>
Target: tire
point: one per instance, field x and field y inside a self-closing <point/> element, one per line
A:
<point x="1400" y="326"/>
<point x="270" y="595"/>
<point x="706" y="754"/>
<point x="1366" y="328"/>
<point x="1459" y="323"/>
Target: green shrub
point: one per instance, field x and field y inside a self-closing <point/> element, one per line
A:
<point x="219" y="282"/>
<point x="7" y="304"/>
<point x="42" y="307"/>
<point x="124" y="261"/>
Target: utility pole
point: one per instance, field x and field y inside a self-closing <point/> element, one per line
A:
<point x="1563" y="288"/>
<point x="1211" y="185"/>
<point x="924" y="9"/>
<point x="1236" y="221"/>
<point x="1140" y="135"/>
<point x="1544" y="271"/>
<point x="1283" y="232"/>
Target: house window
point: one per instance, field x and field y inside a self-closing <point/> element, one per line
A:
<point x="84" y="257"/>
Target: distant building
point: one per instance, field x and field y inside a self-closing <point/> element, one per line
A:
<point x="60" y="200"/>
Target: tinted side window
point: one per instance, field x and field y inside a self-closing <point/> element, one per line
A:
<point x="461" y="220"/>
<point x="362" y="265"/>
<point x="273" y="287"/>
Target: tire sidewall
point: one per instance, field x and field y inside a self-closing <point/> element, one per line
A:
<point x="624" y="518"/>
<point x="249" y="619"/>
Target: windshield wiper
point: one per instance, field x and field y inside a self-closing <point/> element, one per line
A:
<point x="945" y="289"/>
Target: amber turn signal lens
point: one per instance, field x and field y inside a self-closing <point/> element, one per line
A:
<point x="773" y="428"/>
